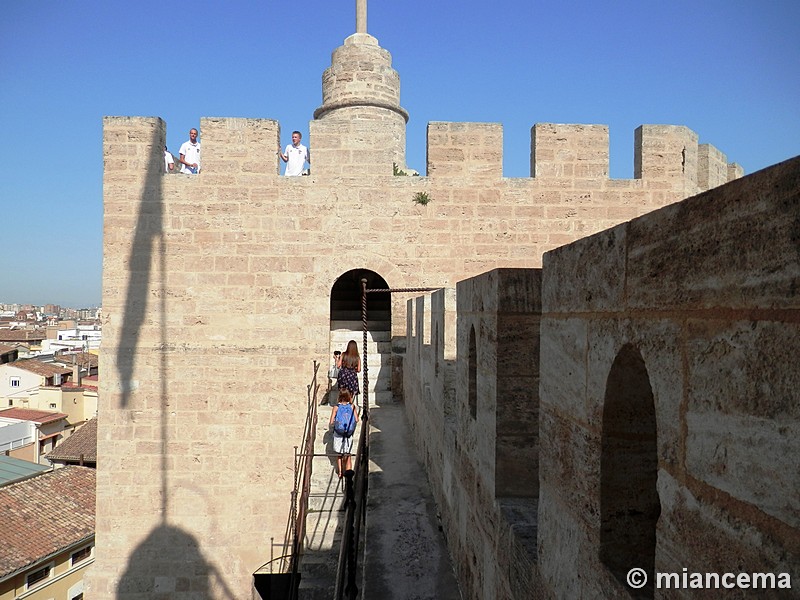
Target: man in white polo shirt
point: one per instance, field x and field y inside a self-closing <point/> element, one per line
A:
<point x="295" y="156"/>
<point x="190" y="154"/>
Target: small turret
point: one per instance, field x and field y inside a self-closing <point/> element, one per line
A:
<point x="360" y="129"/>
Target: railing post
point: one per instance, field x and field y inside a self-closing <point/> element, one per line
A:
<point x="364" y="351"/>
<point x="350" y="588"/>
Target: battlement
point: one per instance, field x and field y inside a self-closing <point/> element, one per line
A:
<point x="666" y="156"/>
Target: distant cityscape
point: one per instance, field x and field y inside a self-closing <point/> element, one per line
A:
<point x="42" y="312"/>
<point x="49" y="381"/>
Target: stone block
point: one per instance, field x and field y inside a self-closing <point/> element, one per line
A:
<point x="746" y="257"/>
<point x="569" y="463"/>
<point x="569" y="151"/>
<point x="588" y="275"/>
<point x="702" y="531"/>
<point x="563" y="365"/>
<point x="712" y="167"/>
<point x="742" y="415"/>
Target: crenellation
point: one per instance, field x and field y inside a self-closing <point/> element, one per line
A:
<point x="712" y="167"/>
<point x="563" y="156"/>
<point x="569" y="151"/>
<point x="133" y="145"/>
<point x="238" y="145"/>
<point x="722" y="474"/>
<point x="465" y="150"/>
<point x="735" y="171"/>
<point x="667" y="154"/>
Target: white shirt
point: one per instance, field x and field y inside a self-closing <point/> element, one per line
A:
<point x="298" y="155"/>
<point x="191" y="154"/>
<point x="168" y="160"/>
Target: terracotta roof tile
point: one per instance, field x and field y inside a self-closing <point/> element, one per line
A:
<point x="29" y="414"/>
<point x="40" y="368"/>
<point x="4" y="348"/>
<point x="44" y="515"/>
<point x="81" y="443"/>
<point x="81" y="358"/>
<point x="22" y="335"/>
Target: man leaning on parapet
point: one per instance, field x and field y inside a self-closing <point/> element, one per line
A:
<point x="190" y="154"/>
<point x="295" y="156"/>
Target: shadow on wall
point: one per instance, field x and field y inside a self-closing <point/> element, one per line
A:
<point x="149" y="230"/>
<point x="169" y="562"/>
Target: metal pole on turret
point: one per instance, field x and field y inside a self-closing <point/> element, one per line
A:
<point x="361" y="16"/>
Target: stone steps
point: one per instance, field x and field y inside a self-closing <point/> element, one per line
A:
<point x="379" y="391"/>
<point x="374" y="316"/>
<point x="379" y="331"/>
<point x="325" y="517"/>
<point x="379" y="357"/>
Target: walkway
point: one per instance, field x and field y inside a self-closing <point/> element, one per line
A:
<point x="405" y="553"/>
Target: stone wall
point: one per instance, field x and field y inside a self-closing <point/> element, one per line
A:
<point x="474" y="415"/>
<point x="667" y="423"/>
<point x="216" y="298"/>
<point x="686" y="317"/>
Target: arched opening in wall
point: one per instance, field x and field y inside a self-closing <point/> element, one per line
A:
<point x="473" y="374"/>
<point x="629" y="503"/>
<point x="345" y="325"/>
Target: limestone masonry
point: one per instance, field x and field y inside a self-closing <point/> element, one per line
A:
<point x="217" y="298"/>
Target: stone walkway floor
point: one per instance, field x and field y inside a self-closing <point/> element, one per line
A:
<point x="406" y="555"/>
<point x="405" y="552"/>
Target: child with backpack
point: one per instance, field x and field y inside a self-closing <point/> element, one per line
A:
<point x="343" y="419"/>
<point x="349" y="364"/>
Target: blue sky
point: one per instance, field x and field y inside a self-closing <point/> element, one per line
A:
<point x="730" y="70"/>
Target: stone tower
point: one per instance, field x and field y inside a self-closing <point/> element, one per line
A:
<point x="217" y="295"/>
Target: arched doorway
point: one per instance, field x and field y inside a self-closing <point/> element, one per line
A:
<point x="345" y="325"/>
<point x="629" y="502"/>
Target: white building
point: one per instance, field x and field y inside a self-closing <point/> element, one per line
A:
<point x="22" y="379"/>
<point x="82" y="338"/>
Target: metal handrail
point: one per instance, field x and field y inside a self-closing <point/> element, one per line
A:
<point x="302" y="484"/>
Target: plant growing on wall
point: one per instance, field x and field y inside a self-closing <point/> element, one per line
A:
<point x="421" y="198"/>
<point x="398" y="172"/>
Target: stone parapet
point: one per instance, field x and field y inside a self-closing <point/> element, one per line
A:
<point x="481" y="458"/>
<point x="238" y="146"/>
<point x="682" y="319"/>
<point x="712" y="167"/>
<point x="666" y="154"/>
<point x="666" y="404"/>
<point x="367" y="141"/>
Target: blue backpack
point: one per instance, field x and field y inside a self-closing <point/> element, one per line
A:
<point x="345" y="422"/>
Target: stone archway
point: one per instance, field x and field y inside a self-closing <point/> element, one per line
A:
<point x="629" y="502"/>
<point x="345" y="324"/>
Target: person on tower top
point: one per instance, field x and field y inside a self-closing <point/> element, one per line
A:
<point x="295" y="156"/>
<point x="190" y="154"/>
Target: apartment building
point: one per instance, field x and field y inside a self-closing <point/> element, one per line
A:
<point x="30" y="434"/>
